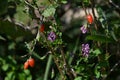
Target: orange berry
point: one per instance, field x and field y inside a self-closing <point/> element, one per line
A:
<point x="90" y="19"/>
<point x="31" y="62"/>
<point x="42" y="27"/>
<point x="26" y="65"/>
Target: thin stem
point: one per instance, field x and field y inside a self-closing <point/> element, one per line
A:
<point x="74" y="51"/>
<point x="54" y="57"/>
<point x="115" y="5"/>
<point x="69" y="71"/>
<point x="66" y="67"/>
<point x="84" y="9"/>
<point x="63" y="56"/>
<point x="40" y="57"/>
<point x="29" y="4"/>
<point x="41" y="20"/>
<point x="57" y="64"/>
<point x="95" y="20"/>
<point x="48" y="67"/>
<point x="85" y="13"/>
<point x="112" y="69"/>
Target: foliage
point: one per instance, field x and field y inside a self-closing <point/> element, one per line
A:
<point x="85" y="48"/>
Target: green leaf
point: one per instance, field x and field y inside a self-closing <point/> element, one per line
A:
<point x="96" y="52"/>
<point x="97" y="72"/>
<point x="49" y="11"/>
<point x="100" y="38"/>
<point x="27" y="72"/>
<point x="6" y="78"/>
<point x="2" y="38"/>
<point x="86" y="1"/>
<point x="10" y="76"/>
<point x="107" y="56"/>
<point x="22" y="17"/>
<point x="64" y="1"/>
<point x="12" y="59"/>
<point x="21" y="76"/>
<point x="29" y="78"/>
<point x="80" y="68"/>
<point x="42" y="2"/>
<point x="11" y="46"/>
<point x="78" y="78"/>
<point x="113" y="35"/>
<point x="104" y="63"/>
<point x="5" y="67"/>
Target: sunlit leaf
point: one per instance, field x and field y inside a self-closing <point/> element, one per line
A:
<point x="29" y="78"/>
<point x="113" y="35"/>
<point x="97" y="72"/>
<point x="78" y="78"/>
<point x="27" y="72"/>
<point x="49" y="11"/>
<point x="96" y="52"/>
<point x="5" y="67"/>
<point x="11" y="75"/>
<point x="22" y="17"/>
<point x="64" y="1"/>
<point x="2" y="38"/>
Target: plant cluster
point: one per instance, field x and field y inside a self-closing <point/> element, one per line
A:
<point x="86" y="49"/>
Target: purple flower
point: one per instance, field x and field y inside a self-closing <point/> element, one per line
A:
<point x="85" y="49"/>
<point x="83" y="29"/>
<point x="51" y="36"/>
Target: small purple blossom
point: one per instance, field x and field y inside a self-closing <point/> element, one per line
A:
<point x="51" y="36"/>
<point x="85" y="49"/>
<point x="83" y="29"/>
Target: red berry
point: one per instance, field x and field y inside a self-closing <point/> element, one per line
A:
<point x="90" y="19"/>
<point x="31" y="62"/>
<point x="42" y="28"/>
<point x="26" y="65"/>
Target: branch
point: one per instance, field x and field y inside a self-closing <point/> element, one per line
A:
<point x="84" y="9"/>
<point x="112" y="69"/>
<point x="115" y="5"/>
<point x="20" y="24"/>
<point x="95" y="20"/>
<point x="66" y="66"/>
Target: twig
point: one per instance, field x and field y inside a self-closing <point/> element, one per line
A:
<point x="35" y="7"/>
<point x="95" y="20"/>
<point x="29" y="4"/>
<point x="112" y="69"/>
<point x="67" y="68"/>
<point x="24" y="56"/>
<point x="85" y="12"/>
<point x="84" y="9"/>
<point x="115" y="5"/>
<point x="41" y="19"/>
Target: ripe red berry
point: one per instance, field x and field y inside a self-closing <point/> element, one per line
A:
<point x="26" y="65"/>
<point x="90" y="19"/>
<point x="42" y="28"/>
<point x="31" y="62"/>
